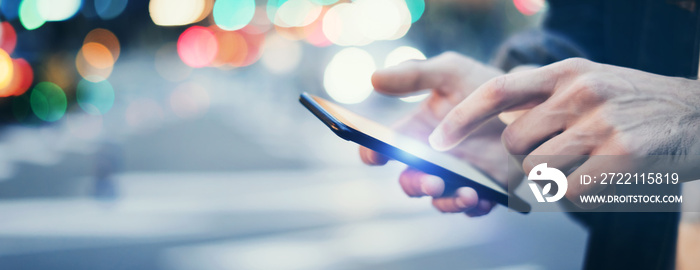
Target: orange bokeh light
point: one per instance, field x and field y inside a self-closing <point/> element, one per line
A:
<point x="22" y="78"/>
<point x="90" y="72"/>
<point x="233" y="48"/>
<point x="97" y="55"/>
<point x="107" y="39"/>
<point x="254" y="41"/>
<point x="6" y="69"/>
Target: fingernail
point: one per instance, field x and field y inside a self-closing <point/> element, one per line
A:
<point x="432" y="186"/>
<point x="437" y="140"/>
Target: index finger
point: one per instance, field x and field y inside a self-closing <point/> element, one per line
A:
<point x="417" y="75"/>
<point x="514" y="91"/>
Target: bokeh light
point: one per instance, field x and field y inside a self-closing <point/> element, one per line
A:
<point x="48" y="101"/>
<point x="260" y="22"/>
<point x="57" y="10"/>
<point x="169" y="65"/>
<point x="281" y="55"/>
<point x="177" y="12"/>
<point x="29" y="15"/>
<point x="416" y="7"/>
<point x="106" y="38"/>
<point x="529" y="7"/>
<point x="97" y="55"/>
<point x="189" y="100"/>
<point x="54" y="70"/>
<point x="364" y="21"/>
<point x="291" y="33"/>
<point x="90" y="72"/>
<point x="271" y="10"/>
<point x="8" y="38"/>
<point x="110" y="9"/>
<point x="381" y="18"/>
<point x="233" y="48"/>
<point x="95" y="98"/>
<point x="314" y="32"/>
<point x="402" y="54"/>
<point x="6" y="69"/>
<point x="233" y="14"/>
<point x="197" y="46"/>
<point x="296" y="13"/>
<point x="342" y="27"/>
<point x="254" y="41"/>
<point x="22" y="77"/>
<point x="348" y="76"/>
<point x="10" y="8"/>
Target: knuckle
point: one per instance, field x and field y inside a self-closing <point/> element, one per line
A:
<point x="495" y="89"/>
<point x="450" y="56"/>
<point x="589" y="88"/>
<point x="575" y="63"/>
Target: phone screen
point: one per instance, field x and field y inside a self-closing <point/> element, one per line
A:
<point x="407" y="144"/>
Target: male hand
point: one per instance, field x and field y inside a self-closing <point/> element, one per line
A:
<point x="451" y="77"/>
<point x="578" y="107"/>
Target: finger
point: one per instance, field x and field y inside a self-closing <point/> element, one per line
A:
<point x="416" y="75"/>
<point x="416" y="183"/>
<point x="370" y="157"/>
<point x="533" y="128"/>
<point x="513" y="91"/>
<point x="482" y="208"/>
<point x="570" y="148"/>
<point x="510" y="117"/>
<point x="465" y="198"/>
<point x="560" y="152"/>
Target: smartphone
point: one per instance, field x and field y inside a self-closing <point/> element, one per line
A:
<point x="456" y="173"/>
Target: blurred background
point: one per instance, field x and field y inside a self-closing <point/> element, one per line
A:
<point x="166" y="134"/>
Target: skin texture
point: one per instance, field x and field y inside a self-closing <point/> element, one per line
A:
<point x="451" y="77"/>
<point x="578" y="107"/>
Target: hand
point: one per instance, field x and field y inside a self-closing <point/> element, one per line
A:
<point x="578" y="107"/>
<point x="452" y="78"/>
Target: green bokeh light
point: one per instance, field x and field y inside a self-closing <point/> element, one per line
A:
<point x="233" y="14"/>
<point x="416" y="7"/>
<point x="29" y="15"/>
<point x="95" y="98"/>
<point x="48" y="101"/>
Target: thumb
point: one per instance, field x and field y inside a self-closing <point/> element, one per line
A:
<point x="370" y="157"/>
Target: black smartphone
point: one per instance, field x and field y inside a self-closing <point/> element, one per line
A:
<point x="456" y="173"/>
